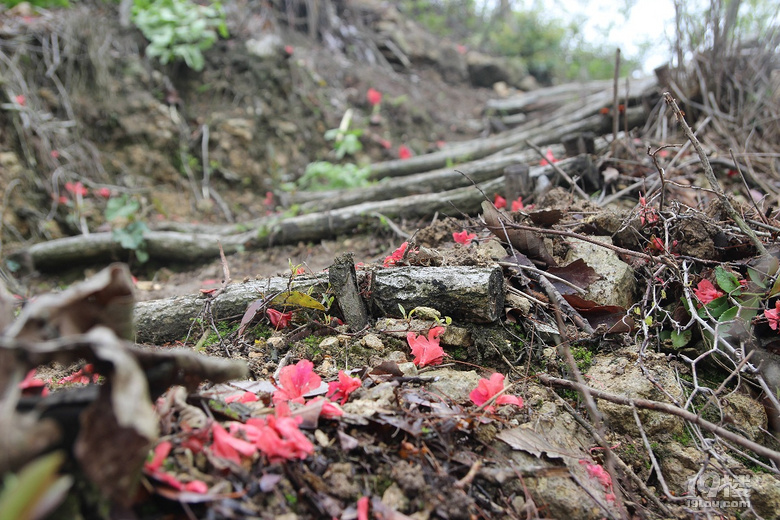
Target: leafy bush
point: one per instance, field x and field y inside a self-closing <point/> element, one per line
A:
<point x="128" y="230"/>
<point x="179" y="29"/>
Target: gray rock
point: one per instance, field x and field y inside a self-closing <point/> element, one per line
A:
<point x="617" y="284"/>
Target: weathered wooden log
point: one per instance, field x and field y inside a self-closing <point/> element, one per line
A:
<point x="464" y="293"/>
<point x="343" y="282"/>
<point x="62" y="253"/>
<point x="468" y="294"/>
<point x="172" y="246"/>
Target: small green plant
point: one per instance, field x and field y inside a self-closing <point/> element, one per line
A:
<point x="128" y="230"/>
<point x="583" y="357"/>
<point x="179" y="29"/>
<point x="324" y="175"/>
<point x="346" y="140"/>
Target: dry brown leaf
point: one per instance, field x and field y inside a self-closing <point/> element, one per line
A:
<point x="527" y="242"/>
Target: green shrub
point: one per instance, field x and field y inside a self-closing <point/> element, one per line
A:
<point x="179" y="29"/>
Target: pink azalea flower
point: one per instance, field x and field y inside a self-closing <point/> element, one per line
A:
<point x="499" y="202"/>
<point x="396" y="256"/>
<point x="374" y="97"/>
<point x="426" y="351"/>
<point x="277" y="436"/>
<point x="773" y="316"/>
<point x="160" y="453"/>
<point x="487" y="388"/>
<point x="517" y="205"/>
<point x="279" y="320"/>
<point x="82" y="376"/>
<point x="706" y="292"/>
<point x="550" y="158"/>
<point x="30" y="385"/>
<point x="76" y="188"/>
<point x="362" y="508"/>
<point x="295" y="381"/>
<point x="228" y="447"/>
<point x="404" y="152"/>
<point x="246" y="397"/>
<point x="598" y="472"/>
<point x="196" y="486"/>
<point x="329" y="410"/>
<point x="464" y="237"/>
<point x="343" y="387"/>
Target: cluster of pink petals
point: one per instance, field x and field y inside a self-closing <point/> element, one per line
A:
<point x="76" y="188"/>
<point x="295" y="381"/>
<point x="464" y="237"/>
<point x="773" y="316"/>
<point x="706" y="292"/>
<point x="647" y="214"/>
<point x="153" y="468"/>
<point x="373" y="96"/>
<point x="341" y="389"/>
<point x="426" y="351"/>
<point x="276" y="436"/>
<point x="404" y="152"/>
<point x="32" y="385"/>
<point x="396" y="255"/>
<point x="83" y="376"/>
<point x="246" y="397"/>
<point x="598" y="472"/>
<point x="487" y="388"/>
<point x="550" y="158"/>
<point x="278" y="319"/>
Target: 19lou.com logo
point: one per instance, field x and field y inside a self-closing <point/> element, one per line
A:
<point x="713" y="489"/>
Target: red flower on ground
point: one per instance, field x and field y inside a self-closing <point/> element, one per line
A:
<point x="487" y="388"/>
<point x="82" y="376"/>
<point x="464" y="237"/>
<point x="362" y="508"/>
<point x="499" y="202"/>
<point x="104" y="193"/>
<point x="279" y="320"/>
<point x="295" y="381"/>
<point x="404" y="152"/>
<point x="31" y="385"/>
<point x="289" y="49"/>
<point x="598" y="472"/>
<point x="76" y="188"/>
<point x="54" y="154"/>
<point x="426" y="351"/>
<point x="343" y="387"/>
<point x="277" y="436"/>
<point x="773" y="316"/>
<point x="706" y="292"/>
<point x="246" y="397"/>
<point x="550" y="158"/>
<point x="517" y="205"/>
<point x="647" y="214"/>
<point x="228" y="447"/>
<point x="374" y="97"/>
<point x="396" y="255"/>
<point x="20" y="99"/>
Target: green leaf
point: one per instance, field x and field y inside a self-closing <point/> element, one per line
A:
<point x="680" y="339"/>
<point x="715" y="308"/>
<point x="729" y="314"/>
<point x="297" y="299"/>
<point x="121" y="207"/>
<point x="726" y="280"/>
